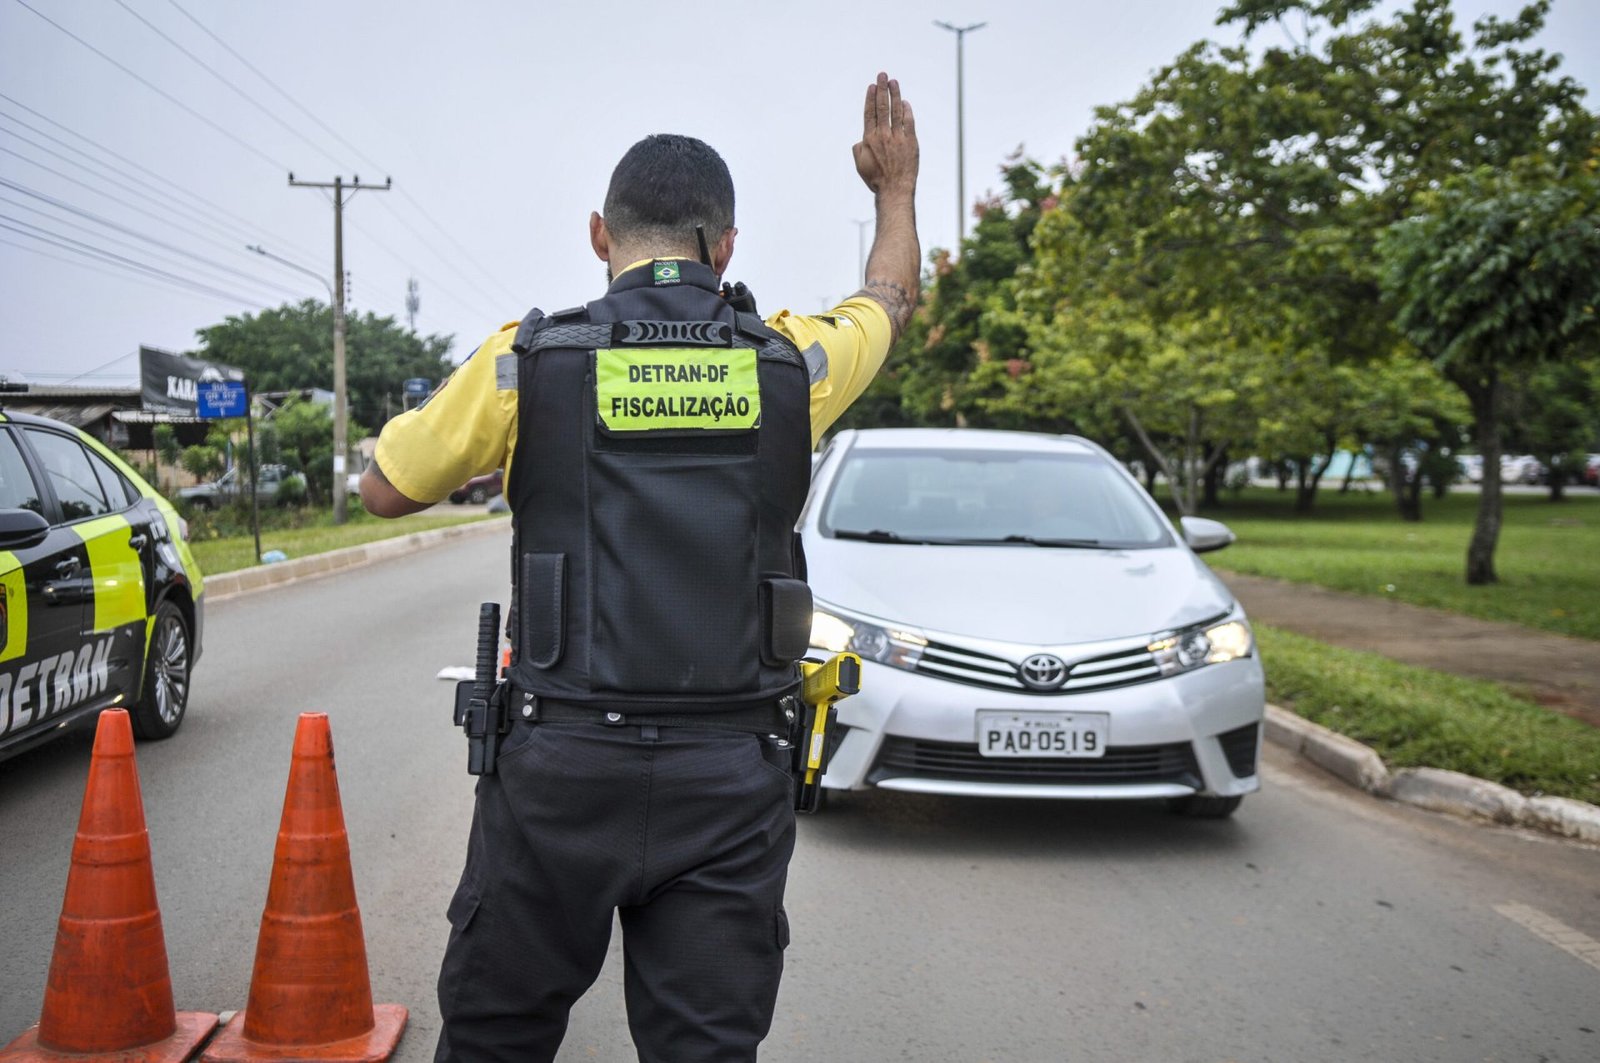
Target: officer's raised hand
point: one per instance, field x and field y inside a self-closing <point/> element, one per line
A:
<point x="887" y="155"/>
<point x="887" y="160"/>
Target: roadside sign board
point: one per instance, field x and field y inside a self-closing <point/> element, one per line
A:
<point x="220" y="398"/>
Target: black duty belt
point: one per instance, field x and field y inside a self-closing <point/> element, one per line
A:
<point x="771" y="718"/>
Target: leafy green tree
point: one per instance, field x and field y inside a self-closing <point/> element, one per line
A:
<point x="291" y="347"/>
<point x="203" y="462"/>
<point x="1501" y="273"/>
<point x="1553" y="413"/>
<point x="304" y="434"/>
<point x="965" y="339"/>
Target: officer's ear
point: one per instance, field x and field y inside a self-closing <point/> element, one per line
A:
<point x="600" y="236"/>
<point x="723" y="252"/>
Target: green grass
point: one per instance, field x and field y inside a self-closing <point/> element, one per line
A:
<point x="1415" y="717"/>
<point x="1548" y="558"/>
<point x="219" y="553"/>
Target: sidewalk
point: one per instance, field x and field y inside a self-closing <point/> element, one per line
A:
<point x="1559" y="672"/>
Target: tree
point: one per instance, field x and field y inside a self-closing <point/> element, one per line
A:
<point x="291" y="347"/>
<point x="1554" y="414"/>
<point x="965" y="337"/>
<point x="203" y="462"/>
<point x="1500" y="273"/>
<point x="303" y="434"/>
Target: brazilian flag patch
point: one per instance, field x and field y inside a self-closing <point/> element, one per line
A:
<point x="640" y="389"/>
<point x="665" y="273"/>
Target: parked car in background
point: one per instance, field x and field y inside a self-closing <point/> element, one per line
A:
<point x="101" y="601"/>
<point x="234" y="485"/>
<point x="1521" y="469"/>
<point x="1030" y="625"/>
<point x="1591" y="470"/>
<point x="480" y="489"/>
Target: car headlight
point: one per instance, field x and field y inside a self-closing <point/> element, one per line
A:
<point x="1196" y="647"/>
<point x="835" y="632"/>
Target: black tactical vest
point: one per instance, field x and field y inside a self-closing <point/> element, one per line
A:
<point x="662" y="460"/>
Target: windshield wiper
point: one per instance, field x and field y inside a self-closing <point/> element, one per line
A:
<point x="1044" y="540"/>
<point x="876" y="535"/>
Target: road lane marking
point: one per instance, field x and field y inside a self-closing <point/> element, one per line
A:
<point x="1557" y="933"/>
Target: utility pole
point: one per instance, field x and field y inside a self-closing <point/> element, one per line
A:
<point x="413" y="303"/>
<point x="861" y="247"/>
<point x="961" y="147"/>
<point x="340" y="416"/>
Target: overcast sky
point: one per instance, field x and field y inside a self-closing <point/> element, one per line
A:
<point x="499" y="122"/>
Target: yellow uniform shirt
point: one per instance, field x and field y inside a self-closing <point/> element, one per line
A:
<point x="469" y="426"/>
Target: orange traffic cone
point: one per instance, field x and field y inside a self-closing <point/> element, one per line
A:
<point x="310" y="997"/>
<point x="108" y="994"/>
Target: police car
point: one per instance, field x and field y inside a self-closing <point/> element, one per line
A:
<point x="100" y="596"/>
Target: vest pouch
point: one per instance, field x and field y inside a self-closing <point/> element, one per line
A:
<point x="542" y="597"/>
<point x="785" y="621"/>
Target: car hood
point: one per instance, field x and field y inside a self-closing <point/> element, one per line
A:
<point x="1025" y="594"/>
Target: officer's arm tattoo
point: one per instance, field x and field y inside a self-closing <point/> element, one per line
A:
<point x="897" y="301"/>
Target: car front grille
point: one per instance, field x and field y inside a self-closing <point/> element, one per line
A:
<point x="961" y="665"/>
<point x="961" y="762"/>
<point x="1239" y="746"/>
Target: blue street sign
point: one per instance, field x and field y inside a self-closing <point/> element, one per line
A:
<point x="418" y="385"/>
<point x="220" y="398"/>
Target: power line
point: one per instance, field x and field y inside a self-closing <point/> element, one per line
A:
<point x="134" y="247"/>
<point x="62" y="205"/>
<point x="363" y="156"/>
<point x="88" y="250"/>
<point x="159" y="91"/>
<point x="251" y="225"/>
<point x="276" y="87"/>
<point x="166" y="202"/>
<point x="240" y="92"/>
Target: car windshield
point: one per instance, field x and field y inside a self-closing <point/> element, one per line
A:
<point x="966" y="497"/>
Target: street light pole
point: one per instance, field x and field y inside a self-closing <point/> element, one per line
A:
<point x="961" y="147"/>
<point x="861" y="247"/>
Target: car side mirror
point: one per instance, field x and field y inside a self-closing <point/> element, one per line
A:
<point x="1204" y="536"/>
<point x="21" y="528"/>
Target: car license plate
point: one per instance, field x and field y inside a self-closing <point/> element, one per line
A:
<point x="1042" y="734"/>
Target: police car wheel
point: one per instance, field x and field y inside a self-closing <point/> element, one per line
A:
<point x="166" y="676"/>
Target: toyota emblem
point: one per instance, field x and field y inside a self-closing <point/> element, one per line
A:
<point x="1043" y="671"/>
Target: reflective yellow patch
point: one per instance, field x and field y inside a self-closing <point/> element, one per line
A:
<point x="642" y="389"/>
<point x="118" y="576"/>
<point x="14" y="643"/>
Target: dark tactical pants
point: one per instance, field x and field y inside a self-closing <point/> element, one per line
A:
<point x="686" y="833"/>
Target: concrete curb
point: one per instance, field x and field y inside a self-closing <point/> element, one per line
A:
<point x="1430" y="788"/>
<point x="229" y="584"/>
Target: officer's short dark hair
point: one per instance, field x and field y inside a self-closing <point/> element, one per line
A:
<point x="666" y="185"/>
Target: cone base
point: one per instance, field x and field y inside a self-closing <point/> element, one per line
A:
<point x="377" y="1044"/>
<point x="193" y="1028"/>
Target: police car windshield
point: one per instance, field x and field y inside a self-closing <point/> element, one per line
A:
<point x="990" y="498"/>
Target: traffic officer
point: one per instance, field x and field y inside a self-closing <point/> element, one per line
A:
<point x="656" y="446"/>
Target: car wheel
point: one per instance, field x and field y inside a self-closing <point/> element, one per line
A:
<point x="200" y="503"/>
<point x="478" y="495"/>
<point x="1202" y="806"/>
<point x="165" y="694"/>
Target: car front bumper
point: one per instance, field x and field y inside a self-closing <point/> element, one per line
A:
<point x="1196" y="732"/>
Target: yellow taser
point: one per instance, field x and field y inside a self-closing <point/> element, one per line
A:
<point x="823" y="685"/>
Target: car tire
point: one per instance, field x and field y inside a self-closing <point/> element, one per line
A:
<point x="165" y="693"/>
<point x="478" y="495"/>
<point x="1203" y="806"/>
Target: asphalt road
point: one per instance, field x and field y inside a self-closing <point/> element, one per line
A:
<point x="1318" y="924"/>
